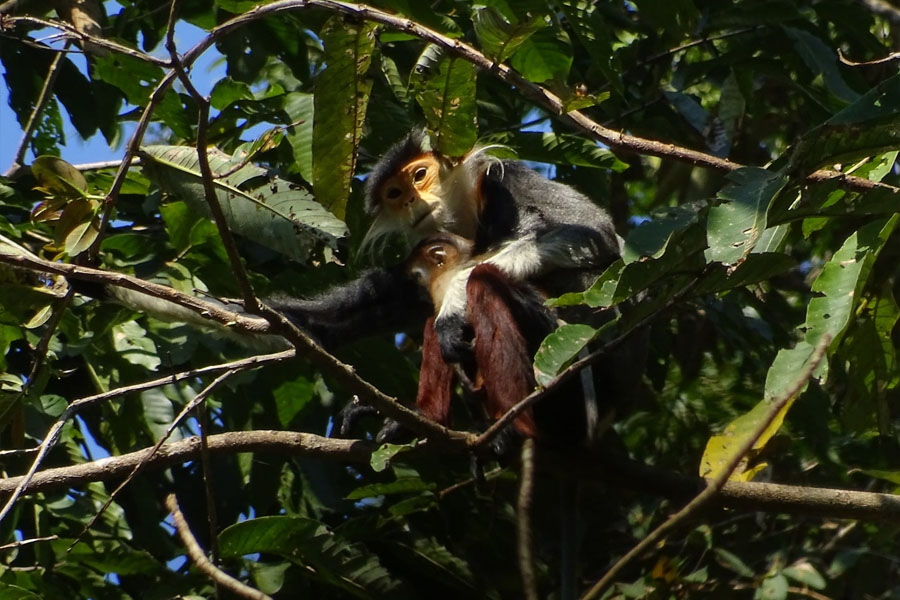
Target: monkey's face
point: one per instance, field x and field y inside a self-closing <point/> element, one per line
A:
<point x="429" y="261"/>
<point x="433" y="260"/>
<point x="411" y="197"/>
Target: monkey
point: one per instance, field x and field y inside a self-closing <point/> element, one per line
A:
<point x="532" y="228"/>
<point x="506" y="321"/>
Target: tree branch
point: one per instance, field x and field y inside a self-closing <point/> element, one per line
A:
<point x="117" y="467"/>
<point x="611" y="470"/>
<point x="196" y="554"/>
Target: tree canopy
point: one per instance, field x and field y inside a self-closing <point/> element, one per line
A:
<point x="746" y="151"/>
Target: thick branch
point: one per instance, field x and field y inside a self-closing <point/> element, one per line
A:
<point x="210" y="310"/>
<point x="117" y="467"/>
<point x="771" y="497"/>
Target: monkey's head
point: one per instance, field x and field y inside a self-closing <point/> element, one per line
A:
<point x="436" y="258"/>
<point x="417" y="192"/>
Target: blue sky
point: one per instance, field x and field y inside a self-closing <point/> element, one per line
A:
<point x="96" y="149"/>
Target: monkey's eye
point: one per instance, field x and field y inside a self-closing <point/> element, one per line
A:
<point x="419" y="175"/>
<point x="438" y="255"/>
<point x="393" y="193"/>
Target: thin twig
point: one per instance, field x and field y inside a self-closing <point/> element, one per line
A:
<point x="715" y="484"/>
<point x="20" y="543"/>
<point x="176" y="422"/>
<point x="878" y="61"/>
<point x="196" y="554"/>
<point x="208" y="483"/>
<point x="525" y="543"/>
<point x="71" y="33"/>
<point x="35" y="116"/>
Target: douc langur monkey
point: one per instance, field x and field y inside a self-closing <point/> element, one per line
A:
<point x="506" y="321"/>
<point x="535" y="230"/>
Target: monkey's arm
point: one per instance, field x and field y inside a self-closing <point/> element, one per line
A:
<point x="378" y="301"/>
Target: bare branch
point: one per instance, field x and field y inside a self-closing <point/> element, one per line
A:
<point x="116" y="467"/>
<point x="195" y="552"/>
<point x="71" y="33"/>
<point x="35" y="116"/>
<point x="525" y="544"/>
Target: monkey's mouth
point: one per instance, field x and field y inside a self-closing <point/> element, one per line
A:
<point x="419" y="220"/>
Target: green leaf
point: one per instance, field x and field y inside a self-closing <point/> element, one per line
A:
<point x="438" y="561"/>
<point x="342" y="94"/>
<point x="381" y="458"/>
<point x="869" y="126"/>
<point x="498" y="37"/>
<point x="805" y="573"/>
<point x="159" y="413"/>
<point x="734" y="227"/>
<point x="135" y="77"/>
<point x="731" y="561"/>
<point x="257" y="205"/>
<point x="402" y="485"/>
<point x="81" y="237"/>
<point x="544" y="56"/>
<point x="291" y="398"/>
<point x="132" y="343"/>
<point x="841" y="281"/>
<point x="228" y="91"/>
<point x="559" y="349"/>
<point x="593" y="32"/>
<point x="325" y="555"/>
<point x="821" y="60"/>
<point x="299" y="108"/>
<point x="772" y="588"/>
<point x="57" y="177"/>
<point x="445" y="90"/>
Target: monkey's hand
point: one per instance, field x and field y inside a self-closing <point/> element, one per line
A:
<point x="454" y="337"/>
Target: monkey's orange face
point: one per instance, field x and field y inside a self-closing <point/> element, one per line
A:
<point x="412" y="195"/>
<point x="430" y="261"/>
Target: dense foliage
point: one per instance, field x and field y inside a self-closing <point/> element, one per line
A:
<point x="742" y="259"/>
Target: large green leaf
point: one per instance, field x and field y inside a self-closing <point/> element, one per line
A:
<point x="498" y="37"/>
<point x="544" y="56"/>
<point x="445" y="89"/>
<point x="559" y="349"/>
<point x="299" y="108"/>
<point x="341" y="98"/>
<point x="326" y="556"/>
<point x="842" y="278"/>
<point x="558" y="148"/>
<point x="257" y="205"/>
<point x="592" y="31"/>
<point x="869" y="126"/>
<point x="734" y="227"/>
